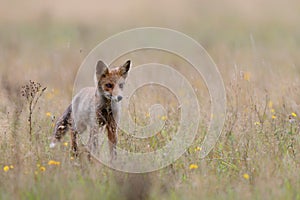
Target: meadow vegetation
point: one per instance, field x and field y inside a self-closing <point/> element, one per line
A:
<point x="256" y="47"/>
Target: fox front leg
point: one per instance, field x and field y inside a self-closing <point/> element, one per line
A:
<point x="113" y="138"/>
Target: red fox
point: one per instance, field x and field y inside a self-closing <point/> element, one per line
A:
<point x="95" y="107"/>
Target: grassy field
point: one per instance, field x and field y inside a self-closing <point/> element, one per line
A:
<point x="256" y="46"/>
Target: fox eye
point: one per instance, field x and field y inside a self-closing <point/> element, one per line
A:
<point x="108" y="85"/>
<point x="121" y="85"/>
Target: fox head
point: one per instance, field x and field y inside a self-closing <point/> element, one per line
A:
<point x="110" y="82"/>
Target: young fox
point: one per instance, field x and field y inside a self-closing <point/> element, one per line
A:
<point x="95" y="107"/>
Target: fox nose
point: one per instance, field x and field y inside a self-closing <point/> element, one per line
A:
<point x="119" y="98"/>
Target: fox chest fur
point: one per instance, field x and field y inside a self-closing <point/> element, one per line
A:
<point x="91" y="110"/>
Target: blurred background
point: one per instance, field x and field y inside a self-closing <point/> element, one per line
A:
<point x="47" y="41"/>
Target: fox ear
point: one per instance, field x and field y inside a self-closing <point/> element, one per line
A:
<point x="101" y="69"/>
<point x="125" y="68"/>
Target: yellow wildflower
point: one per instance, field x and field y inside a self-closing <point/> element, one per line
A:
<point x="11" y="166"/>
<point x="270" y="104"/>
<point x="43" y="168"/>
<point x="272" y="110"/>
<point x="246" y="76"/>
<point x="5" y="168"/>
<point x="274" y="117"/>
<point x="48" y="114"/>
<point x="246" y="176"/>
<point x="164" y="118"/>
<point x="193" y="166"/>
<point x="257" y="123"/>
<point x="65" y="144"/>
<point x="198" y="149"/>
<point x="53" y="162"/>
<point x="294" y="114"/>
